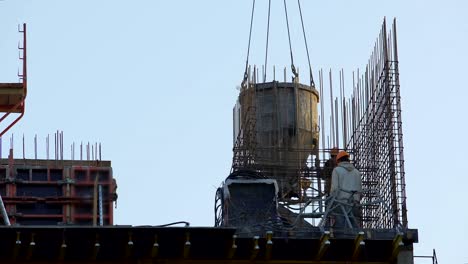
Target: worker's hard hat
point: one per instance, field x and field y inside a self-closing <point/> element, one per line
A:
<point x="334" y="151"/>
<point x="342" y="154"/>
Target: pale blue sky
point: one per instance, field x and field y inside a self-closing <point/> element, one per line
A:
<point x="154" y="82"/>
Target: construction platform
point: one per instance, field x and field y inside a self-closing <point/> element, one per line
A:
<point x="12" y="97"/>
<point x="149" y="244"/>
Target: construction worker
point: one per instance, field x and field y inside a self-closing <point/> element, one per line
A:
<point x="346" y="189"/>
<point x="326" y="176"/>
<point x="326" y="173"/>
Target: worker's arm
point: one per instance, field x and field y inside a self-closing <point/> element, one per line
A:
<point x="334" y="181"/>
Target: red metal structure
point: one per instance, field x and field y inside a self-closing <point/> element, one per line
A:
<point x="57" y="192"/>
<point x="50" y="192"/>
<point x="13" y="95"/>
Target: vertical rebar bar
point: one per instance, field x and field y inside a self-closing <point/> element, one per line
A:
<point x="35" y="146"/>
<point x="332" y="115"/>
<point x="24" y="152"/>
<point x="47" y="146"/>
<point x="337" y="124"/>
<point x="322" y="112"/>
<point x="11" y="141"/>
<point x="55" y="145"/>
<point x="61" y="144"/>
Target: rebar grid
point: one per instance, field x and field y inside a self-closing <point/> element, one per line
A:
<point x="377" y="137"/>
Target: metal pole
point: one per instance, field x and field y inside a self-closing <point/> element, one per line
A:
<point x="95" y="200"/>
<point x="6" y="220"/>
<point x="35" y="146"/>
<point x="332" y="121"/>
<point x="24" y="154"/>
<point x="101" y="215"/>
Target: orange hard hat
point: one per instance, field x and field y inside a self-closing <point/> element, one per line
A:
<point x="342" y="154"/>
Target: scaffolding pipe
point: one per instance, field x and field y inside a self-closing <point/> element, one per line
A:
<point x="101" y="214"/>
<point x="6" y="220"/>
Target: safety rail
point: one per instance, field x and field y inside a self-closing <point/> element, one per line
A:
<point x="333" y="205"/>
<point x="433" y="257"/>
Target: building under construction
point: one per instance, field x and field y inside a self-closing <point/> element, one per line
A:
<point x="272" y="208"/>
<point x="277" y="134"/>
<point x="281" y="145"/>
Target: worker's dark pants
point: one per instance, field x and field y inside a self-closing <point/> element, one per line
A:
<point x="353" y="213"/>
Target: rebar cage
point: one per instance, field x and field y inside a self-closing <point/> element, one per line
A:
<point x="377" y="138"/>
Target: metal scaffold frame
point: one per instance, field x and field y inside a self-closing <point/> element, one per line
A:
<point x="12" y="101"/>
<point x="377" y="139"/>
<point x="370" y="125"/>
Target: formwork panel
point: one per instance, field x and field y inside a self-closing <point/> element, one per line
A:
<point x="3" y="173"/>
<point x="39" y="209"/>
<point x="85" y="192"/>
<point x="80" y="175"/>
<point x="40" y="221"/>
<point x="45" y="192"/>
<point x="23" y="174"/>
<point x="56" y="174"/>
<point x="39" y="175"/>
<point x="38" y="190"/>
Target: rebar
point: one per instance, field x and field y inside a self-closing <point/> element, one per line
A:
<point x="377" y="138"/>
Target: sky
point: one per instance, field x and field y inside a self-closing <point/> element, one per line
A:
<point x="155" y="82"/>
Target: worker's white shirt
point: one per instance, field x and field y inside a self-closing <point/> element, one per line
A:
<point x="345" y="179"/>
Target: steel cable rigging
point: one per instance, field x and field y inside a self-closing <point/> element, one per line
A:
<point x="293" y="68"/>
<point x="312" y="83"/>
<point x="248" y="46"/>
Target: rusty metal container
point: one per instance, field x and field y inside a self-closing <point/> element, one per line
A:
<point x="282" y="119"/>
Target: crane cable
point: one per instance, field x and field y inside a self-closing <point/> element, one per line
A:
<point x="248" y="47"/>
<point x="312" y="83"/>
<point x="293" y="68"/>
<point x="267" y="37"/>
<point x="290" y="47"/>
